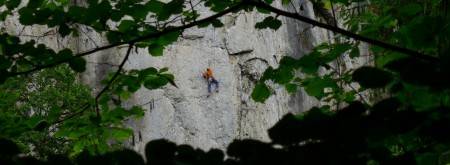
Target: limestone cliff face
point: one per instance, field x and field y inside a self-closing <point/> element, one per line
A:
<point x="238" y="55"/>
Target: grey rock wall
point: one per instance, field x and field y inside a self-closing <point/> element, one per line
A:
<point x="238" y="55"/>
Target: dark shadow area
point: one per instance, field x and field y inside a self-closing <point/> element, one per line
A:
<point x="386" y="133"/>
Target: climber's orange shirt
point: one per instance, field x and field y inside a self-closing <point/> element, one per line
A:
<point x="208" y="74"/>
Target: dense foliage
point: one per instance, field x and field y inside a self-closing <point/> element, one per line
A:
<point x="407" y="122"/>
<point x="29" y="104"/>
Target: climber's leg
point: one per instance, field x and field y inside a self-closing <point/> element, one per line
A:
<point x="209" y="86"/>
<point x="216" y="83"/>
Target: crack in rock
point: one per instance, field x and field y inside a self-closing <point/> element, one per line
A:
<point x="238" y="53"/>
<point x="252" y="69"/>
<point x="242" y="52"/>
<point x="192" y="37"/>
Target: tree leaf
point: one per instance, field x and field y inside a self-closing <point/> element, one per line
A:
<point x="126" y="25"/>
<point x="156" y="50"/>
<point x="64" y="30"/>
<point x="291" y="88"/>
<point x="370" y="77"/>
<point x="410" y="9"/>
<point x="269" y="22"/>
<point x="11" y="4"/>
<point x="315" y="86"/>
<point x="217" y="23"/>
<point x="155" y="82"/>
<point x="78" y="64"/>
<point x="26" y="16"/>
<point x="261" y="93"/>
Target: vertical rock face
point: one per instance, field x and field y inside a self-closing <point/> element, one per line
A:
<point x="237" y="53"/>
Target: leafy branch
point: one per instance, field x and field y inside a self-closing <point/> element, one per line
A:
<point x="342" y="31"/>
<point x="142" y="38"/>
<point x="116" y="74"/>
<point x="236" y="7"/>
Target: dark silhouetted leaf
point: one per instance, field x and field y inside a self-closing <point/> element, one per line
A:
<point x="269" y="22"/>
<point x="78" y="64"/>
<point x="261" y="92"/>
<point x="370" y="77"/>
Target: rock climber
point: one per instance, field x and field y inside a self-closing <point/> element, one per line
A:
<point x="208" y="76"/>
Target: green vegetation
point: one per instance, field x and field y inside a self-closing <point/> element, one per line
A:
<point x="39" y="111"/>
<point x="29" y="104"/>
<point x="46" y="111"/>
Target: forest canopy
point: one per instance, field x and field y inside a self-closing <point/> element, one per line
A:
<point x="392" y="110"/>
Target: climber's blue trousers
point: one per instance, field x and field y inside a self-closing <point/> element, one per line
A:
<point x="211" y="82"/>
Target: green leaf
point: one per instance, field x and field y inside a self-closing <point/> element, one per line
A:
<point x="315" y="86"/>
<point x="283" y="75"/>
<point x="309" y="63"/>
<point x="261" y="93"/>
<point x="285" y="2"/>
<point x="41" y="125"/>
<point x="34" y="4"/>
<point x="169" y="9"/>
<point x="78" y="147"/>
<point x="336" y="51"/>
<point x="26" y="16"/>
<point x="156" y="50"/>
<point x="168" y="38"/>
<point x="12" y="4"/>
<point x="64" y="54"/>
<point x="369" y="77"/>
<point x="170" y="78"/>
<point x="217" y="23"/>
<point x="155" y="82"/>
<point x="5" y="63"/>
<point x="78" y="64"/>
<point x="165" y="69"/>
<point x="262" y="10"/>
<point x="410" y="9"/>
<point x="218" y="5"/>
<point x="155" y="6"/>
<point x="420" y="98"/>
<point x="269" y="22"/>
<point x="354" y="52"/>
<point x="116" y="16"/>
<point x="64" y="30"/>
<point x="121" y="134"/>
<point x="146" y="72"/>
<point x="382" y="60"/>
<point x="114" y="37"/>
<point x="427" y="158"/>
<point x="268" y="1"/>
<point x="132" y="83"/>
<point x="137" y="111"/>
<point x="126" y="25"/>
<point x="291" y="88"/>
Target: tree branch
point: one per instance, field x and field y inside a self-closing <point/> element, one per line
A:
<point x="138" y="39"/>
<point x="342" y="31"/>
<point x="85" y="107"/>
<point x="122" y="64"/>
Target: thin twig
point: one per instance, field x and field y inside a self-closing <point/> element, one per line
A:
<point x="85" y="107"/>
<point x="122" y="64"/>
<point x="138" y="39"/>
<point x="293" y="6"/>
<point x="89" y="37"/>
<point x="344" y="32"/>
<point x="358" y="93"/>
<point x="334" y="13"/>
